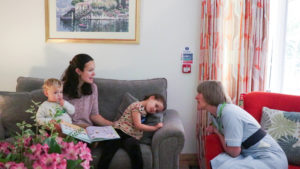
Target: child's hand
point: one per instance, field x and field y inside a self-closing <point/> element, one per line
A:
<point x="159" y="125"/>
<point x="53" y="121"/>
<point x="211" y="129"/>
<point x="61" y="102"/>
<point x="56" y="125"/>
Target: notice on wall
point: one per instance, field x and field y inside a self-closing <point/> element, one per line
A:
<point x="187" y="56"/>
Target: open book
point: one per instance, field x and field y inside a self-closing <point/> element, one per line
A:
<point x="91" y="133"/>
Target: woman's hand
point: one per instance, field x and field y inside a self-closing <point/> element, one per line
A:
<point x="211" y="130"/>
<point x="99" y="120"/>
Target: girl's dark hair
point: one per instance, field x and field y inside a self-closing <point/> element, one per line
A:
<point x="71" y="79"/>
<point x="158" y="97"/>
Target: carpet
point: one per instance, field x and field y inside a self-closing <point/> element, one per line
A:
<point x="194" y="167"/>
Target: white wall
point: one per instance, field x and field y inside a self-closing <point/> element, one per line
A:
<point x="167" y="26"/>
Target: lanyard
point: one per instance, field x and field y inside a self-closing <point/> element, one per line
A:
<point x="219" y="114"/>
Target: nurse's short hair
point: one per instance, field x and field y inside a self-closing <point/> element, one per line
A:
<point x="213" y="92"/>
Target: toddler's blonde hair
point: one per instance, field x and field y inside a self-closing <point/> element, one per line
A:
<point x="52" y="82"/>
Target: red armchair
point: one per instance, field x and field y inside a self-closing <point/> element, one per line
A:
<point x="253" y="103"/>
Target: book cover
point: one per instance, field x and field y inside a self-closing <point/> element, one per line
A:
<point x="91" y="133"/>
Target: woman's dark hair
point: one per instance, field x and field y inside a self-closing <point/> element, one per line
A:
<point x="158" y="97"/>
<point x="71" y="78"/>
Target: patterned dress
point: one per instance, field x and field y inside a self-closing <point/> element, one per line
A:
<point x="237" y="125"/>
<point x="125" y="123"/>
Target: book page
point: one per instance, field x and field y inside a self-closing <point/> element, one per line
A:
<point x="75" y="131"/>
<point x="98" y="133"/>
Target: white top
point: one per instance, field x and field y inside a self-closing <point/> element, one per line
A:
<point x="52" y="110"/>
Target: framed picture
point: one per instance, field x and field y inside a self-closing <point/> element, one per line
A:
<point x="92" y="21"/>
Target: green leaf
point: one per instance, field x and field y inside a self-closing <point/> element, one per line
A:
<point x="28" y="125"/>
<point x="3" y="160"/>
<point x="53" y="146"/>
<point x="70" y="139"/>
<point x="29" y="132"/>
<point x="74" y="164"/>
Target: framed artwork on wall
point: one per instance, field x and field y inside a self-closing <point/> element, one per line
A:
<point x="92" y="21"/>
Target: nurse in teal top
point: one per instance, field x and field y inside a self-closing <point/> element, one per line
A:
<point x="245" y="145"/>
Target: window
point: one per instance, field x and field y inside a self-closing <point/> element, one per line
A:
<point x="284" y="47"/>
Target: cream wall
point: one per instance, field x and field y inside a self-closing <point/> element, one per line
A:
<point x="167" y="26"/>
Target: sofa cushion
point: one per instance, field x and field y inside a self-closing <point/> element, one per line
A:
<point x="38" y="95"/>
<point x="284" y="127"/>
<point x="112" y="91"/>
<point x="13" y="106"/>
<point x="28" y="84"/>
<point x="126" y="101"/>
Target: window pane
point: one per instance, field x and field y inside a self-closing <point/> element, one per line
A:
<point x="291" y="80"/>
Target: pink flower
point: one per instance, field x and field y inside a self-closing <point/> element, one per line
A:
<point x="37" y="165"/>
<point x="70" y="151"/>
<point x="13" y="165"/>
<point x="85" y="152"/>
<point x="62" y="164"/>
<point x="27" y="141"/>
<point x="5" y="147"/>
<point x="59" y="140"/>
<point x="39" y="157"/>
<point x="37" y="150"/>
<point x="1" y="165"/>
<point x="48" y="160"/>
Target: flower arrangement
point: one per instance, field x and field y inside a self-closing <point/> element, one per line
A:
<point x="42" y="149"/>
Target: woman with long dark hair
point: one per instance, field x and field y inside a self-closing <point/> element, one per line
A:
<point x="81" y="91"/>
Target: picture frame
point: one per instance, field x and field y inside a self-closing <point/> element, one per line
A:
<point x="92" y="21"/>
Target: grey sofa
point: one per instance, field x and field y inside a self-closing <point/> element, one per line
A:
<point x="160" y="149"/>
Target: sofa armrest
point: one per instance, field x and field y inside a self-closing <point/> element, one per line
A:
<point x="168" y="142"/>
<point x="213" y="147"/>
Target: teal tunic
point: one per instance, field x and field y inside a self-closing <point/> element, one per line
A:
<point x="237" y="125"/>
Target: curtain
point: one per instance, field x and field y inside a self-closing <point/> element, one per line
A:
<point x="233" y="49"/>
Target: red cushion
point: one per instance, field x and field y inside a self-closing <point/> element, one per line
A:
<point x="294" y="167"/>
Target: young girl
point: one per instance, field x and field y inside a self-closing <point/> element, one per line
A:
<point x="130" y="129"/>
<point x="55" y="108"/>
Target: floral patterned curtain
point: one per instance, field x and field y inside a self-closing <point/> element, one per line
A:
<point x="233" y="48"/>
